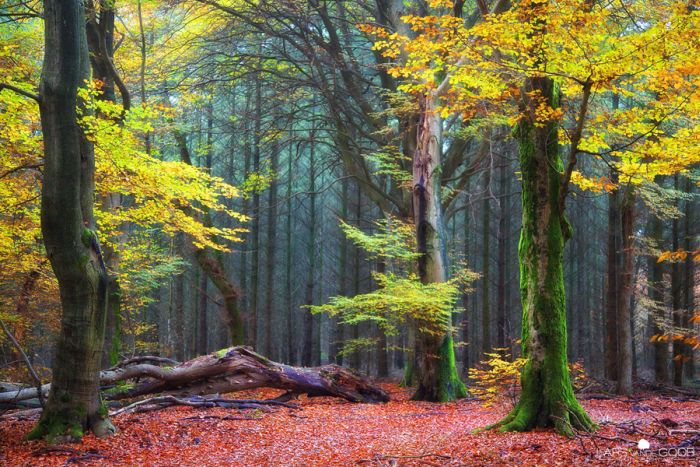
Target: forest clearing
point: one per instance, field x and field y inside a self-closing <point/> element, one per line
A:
<point x="331" y="232"/>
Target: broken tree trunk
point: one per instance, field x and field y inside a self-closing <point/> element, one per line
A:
<point x="234" y="369"/>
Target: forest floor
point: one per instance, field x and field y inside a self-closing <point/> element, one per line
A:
<point x="325" y="431"/>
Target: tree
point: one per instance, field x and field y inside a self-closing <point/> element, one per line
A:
<point x="517" y="67"/>
<point x="69" y="231"/>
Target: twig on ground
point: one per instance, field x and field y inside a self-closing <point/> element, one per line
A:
<point x="383" y="457"/>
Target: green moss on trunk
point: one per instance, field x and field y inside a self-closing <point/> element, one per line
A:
<point x="547" y="397"/>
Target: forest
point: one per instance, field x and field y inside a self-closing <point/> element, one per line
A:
<point x="335" y="232"/>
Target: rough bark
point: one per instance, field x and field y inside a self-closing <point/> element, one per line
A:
<point x="228" y="370"/>
<point x="239" y="368"/>
<point x="68" y="229"/>
<point x="435" y="370"/>
<point x="547" y="397"/>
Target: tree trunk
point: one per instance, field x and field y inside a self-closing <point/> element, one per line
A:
<point x="689" y="236"/>
<point x="547" y="397"/>
<point x="213" y="266"/>
<point x="676" y="300"/>
<point x="486" y="266"/>
<point x="68" y="229"/>
<point x="238" y="369"/>
<point x="435" y="369"/>
<point x="255" y="228"/>
<point x="612" y="288"/>
<point x="656" y="295"/>
<point x="291" y="355"/>
<point x="503" y="216"/>
<point x="337" y="333"/>
<point x="624" y="307"/>
<point x="270" y="263"/>
<point x="228" y="370"/>
<point x="179" y="305"/>
<point x="307" y="353"/>
<point x="202" y="327"/>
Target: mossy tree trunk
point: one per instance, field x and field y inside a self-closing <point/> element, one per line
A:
<point x="547" y="397"/>
<point x="68" y="229"/>
<point x="435" y="371"/>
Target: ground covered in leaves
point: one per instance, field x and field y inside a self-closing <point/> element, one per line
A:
<point x="324" y="431"/>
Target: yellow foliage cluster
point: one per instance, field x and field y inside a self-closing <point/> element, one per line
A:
<point x="497" y="378"/>
<point x="643" y="52"/>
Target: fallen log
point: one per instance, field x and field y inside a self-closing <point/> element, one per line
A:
<point x="237" y="369"/>
<point x="228" y="370"/>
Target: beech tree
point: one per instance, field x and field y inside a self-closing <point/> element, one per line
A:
<point x="69" y="231"/>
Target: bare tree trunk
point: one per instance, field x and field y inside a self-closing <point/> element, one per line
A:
<point x="656" y="295"/>
<point x="612" y="287"/>
<point x="503" y="214"/>
<point x="255" y="228"/>
<point x="307" y="352"/>
<point x="291" y="355"/>
<point x="486" y="266"/>
<point x="337" y="334"/>
<point x="271" y="251"/>
<point x="213" y="266"/>
<point x="68" y="228"/>
<point x="624" y="307"/>
<point x="179" y="315"/>
<point x="689" y="235"/>
<point x="202" y="327"/>
<point x="676" y="300"/>
<point x="435" y="370"/>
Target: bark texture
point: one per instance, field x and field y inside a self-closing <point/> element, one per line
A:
<point x="547" y="397"/>
<point x="435" y="370"/>
<point x="68" y="229"/>
<point x="239" y="368"/>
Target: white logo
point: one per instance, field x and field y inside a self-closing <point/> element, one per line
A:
<point x="643" y="444"/>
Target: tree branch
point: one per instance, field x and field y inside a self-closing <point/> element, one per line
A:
<point x="20" y="91"/>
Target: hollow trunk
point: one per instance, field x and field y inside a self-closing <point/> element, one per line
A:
<point x="68" y="229"/>
<point x="547" y="397"/>
<point x="435" y="370"/>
